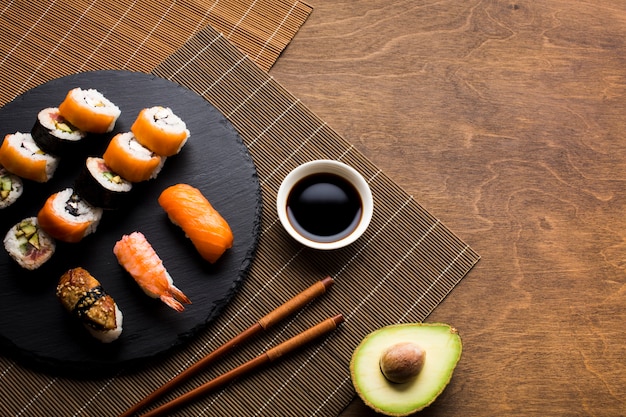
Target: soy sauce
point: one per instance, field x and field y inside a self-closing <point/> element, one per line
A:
<point x="324" y="207"/>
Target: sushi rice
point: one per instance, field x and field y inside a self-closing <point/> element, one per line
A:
<point x="108" y="336"/>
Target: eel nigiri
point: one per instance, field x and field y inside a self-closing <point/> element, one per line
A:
<point x="188" y="208"/>
<point x="82" y="295"/>
<point x="139" y="258"/>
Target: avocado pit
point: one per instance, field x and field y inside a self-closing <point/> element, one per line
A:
<point x="402" y="362"/>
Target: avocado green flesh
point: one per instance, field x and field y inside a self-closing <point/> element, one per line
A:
<point x="443" y="350"/>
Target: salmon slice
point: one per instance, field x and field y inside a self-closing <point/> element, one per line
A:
<point x="209" y="232"/>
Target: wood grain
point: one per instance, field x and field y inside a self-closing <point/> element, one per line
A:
<point x="505" y="120"/>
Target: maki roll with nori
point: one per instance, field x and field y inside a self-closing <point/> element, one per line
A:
<point x="28" y="245"/>
<point x="67" y="217"/>
<point x="54" y="134"/>
<point x="100" y="186"/>
<point x="11" y="188"/>
<point x="21" y="155"/>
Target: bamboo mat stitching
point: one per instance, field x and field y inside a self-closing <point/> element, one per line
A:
<point x="274" y="122"/>
<point x="244" y="102"/>
<point x="37" y="396"/>
<point x="241" y="19"/>
<point x="200" y="52"/>
<point x="224" y="75"/>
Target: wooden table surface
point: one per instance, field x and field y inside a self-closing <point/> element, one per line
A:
<point x="505" y="119"/>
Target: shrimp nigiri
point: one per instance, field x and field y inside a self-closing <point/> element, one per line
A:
<point x="138" y="257"/>
<point x="208" y="230"/>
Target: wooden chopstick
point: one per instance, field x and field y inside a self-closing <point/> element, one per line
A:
<point x="283" y="311"/>
<point x="271" y="355"/>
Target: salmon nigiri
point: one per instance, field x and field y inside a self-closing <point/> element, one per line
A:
<point x="138" y="257"/>
<point x="187" y="207"/>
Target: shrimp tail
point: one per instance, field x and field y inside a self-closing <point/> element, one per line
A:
<point x="171" y="302"/>
<point x="179" y="295"/>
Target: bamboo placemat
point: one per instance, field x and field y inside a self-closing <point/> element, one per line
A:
<point x="45" y="39"/>
<point x="399" y="271"/>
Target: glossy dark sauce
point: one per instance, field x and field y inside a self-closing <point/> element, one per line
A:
<point x="324" y="207"/>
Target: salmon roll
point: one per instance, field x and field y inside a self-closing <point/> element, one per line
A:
<point x="20" y="155"/>
<point x="89" y="110"/>
<point x="160" y="130"/>
<point x="187" y="207"/>
<point x="28" y="245"/>
<point x="100" y="186"/>
<point x="133" y="161"/>
<point x="67" y="217"/>
<point x="84" y="298"/>
<point x="53" y="134"/>
<point x="11" y="188"/>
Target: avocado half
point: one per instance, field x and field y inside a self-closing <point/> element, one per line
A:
<point x="441" y="347"/>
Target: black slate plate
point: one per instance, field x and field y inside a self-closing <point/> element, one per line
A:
<point x="33" y="326"/>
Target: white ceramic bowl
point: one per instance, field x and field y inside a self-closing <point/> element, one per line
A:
<point x="332" y="167"/>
